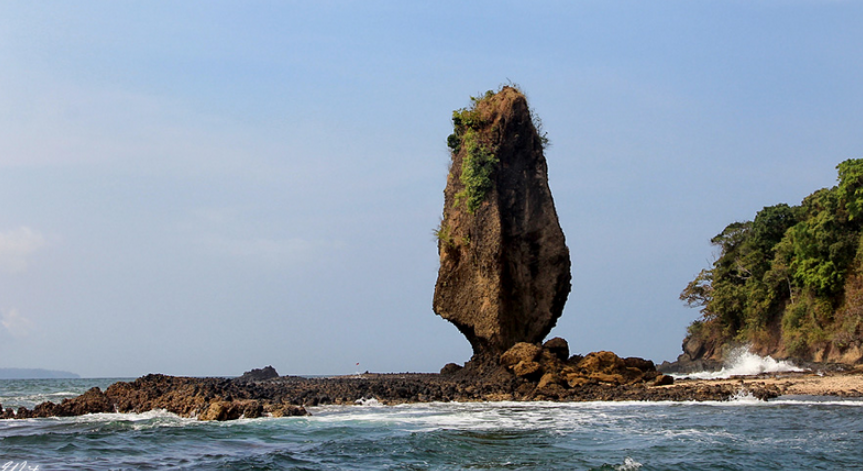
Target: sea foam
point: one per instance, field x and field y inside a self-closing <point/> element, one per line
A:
<point x="742" y="362"/>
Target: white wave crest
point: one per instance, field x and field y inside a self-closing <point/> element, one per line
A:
<point x="629" y="464"/>
<point x="370" y="402"/>
<point x="744" y="396"/>
<point x="742" y="362"/>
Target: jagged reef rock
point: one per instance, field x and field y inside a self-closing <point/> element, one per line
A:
<point x="504" y="265"/>
<point x="93" y="401"/>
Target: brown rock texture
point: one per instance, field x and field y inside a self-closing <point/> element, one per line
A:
<point x="504" y="265"/>
<point x="596" y="379"/>
<point x="559" y="378"/>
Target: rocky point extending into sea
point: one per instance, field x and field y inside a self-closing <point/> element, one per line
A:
<point x="503" y="281"/>
<point x="600" y="376"/>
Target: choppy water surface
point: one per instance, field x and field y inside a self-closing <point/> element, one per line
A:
<point x="789" y="433"/>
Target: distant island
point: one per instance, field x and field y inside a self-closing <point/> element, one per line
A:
<point x="34" y="373"/>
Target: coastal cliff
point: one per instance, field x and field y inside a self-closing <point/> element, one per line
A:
<point x="788" y="283"/>
<point x="504" y="266"/>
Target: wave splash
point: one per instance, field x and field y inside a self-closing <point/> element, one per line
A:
<point x="742" y="362"/>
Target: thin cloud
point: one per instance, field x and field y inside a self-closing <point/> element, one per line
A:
<point x="16" y="246"/>
<point x="14" y="323"/>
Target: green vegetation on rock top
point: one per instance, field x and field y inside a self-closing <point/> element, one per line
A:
<point x="474" y="137"/>
<point x="478" y="161"/>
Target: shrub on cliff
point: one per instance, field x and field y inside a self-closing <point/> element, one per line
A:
<point x="788" y="280"/>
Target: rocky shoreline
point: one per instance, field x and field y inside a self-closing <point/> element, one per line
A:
<point x="503" y="281"/>
<point x="227" y="399"/>
<point x="526" y="372"/>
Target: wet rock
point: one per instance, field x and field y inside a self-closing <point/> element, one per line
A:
<point x="220" y="411"/>
<point x="289" y="411"/>
<point x="252" y="409"/>
<point x="91" y="402"/>
<point x="94" y="401"/>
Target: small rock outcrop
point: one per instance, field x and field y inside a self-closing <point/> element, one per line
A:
<point x="258" y="374"/>
<point x="93" y="401"/>
<point x="504" y="265"/>
<point x="204" y="398"/>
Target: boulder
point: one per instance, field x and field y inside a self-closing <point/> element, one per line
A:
<point x="528" y="369"/>
<point x="663" y="380"/>
<point x="558" y="347"/>
<point x="221" y="411"/>
<point x="602" y="362"/>
<point x="504" y="272"/>
<point x="520" y="352"/>
<point x="287" y="410"/>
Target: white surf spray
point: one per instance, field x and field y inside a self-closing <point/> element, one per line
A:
<point x="629" y="464"/>
<point x="368" y="402"/>
<point x="742" y="362"/>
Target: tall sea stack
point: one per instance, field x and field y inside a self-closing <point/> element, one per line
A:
<point x="504" y="266"/>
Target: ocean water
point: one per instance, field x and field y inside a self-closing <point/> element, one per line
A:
<point x="744" y="433"/>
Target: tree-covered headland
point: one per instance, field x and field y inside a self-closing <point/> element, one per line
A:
<point x="789" y="282"/>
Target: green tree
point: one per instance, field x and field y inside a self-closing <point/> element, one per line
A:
<point x="850" y="187"/>
<point x="792" y="263"/>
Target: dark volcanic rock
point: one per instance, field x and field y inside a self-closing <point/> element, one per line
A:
<point x="504" y="266"/>
<point x="93" y="401"/>
<point x="258" y="374"/>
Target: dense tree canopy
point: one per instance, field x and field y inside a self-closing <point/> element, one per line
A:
<point x="789" y="273"/>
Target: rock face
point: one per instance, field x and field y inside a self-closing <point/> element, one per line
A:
<point x="504" y="266"/>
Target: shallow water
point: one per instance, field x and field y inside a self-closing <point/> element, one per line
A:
<point x="788" y="433"/>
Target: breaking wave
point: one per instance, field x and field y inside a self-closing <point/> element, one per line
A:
<point x="742" y="362"/>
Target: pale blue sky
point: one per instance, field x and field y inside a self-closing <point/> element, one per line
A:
<point x="206" y="187"/>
